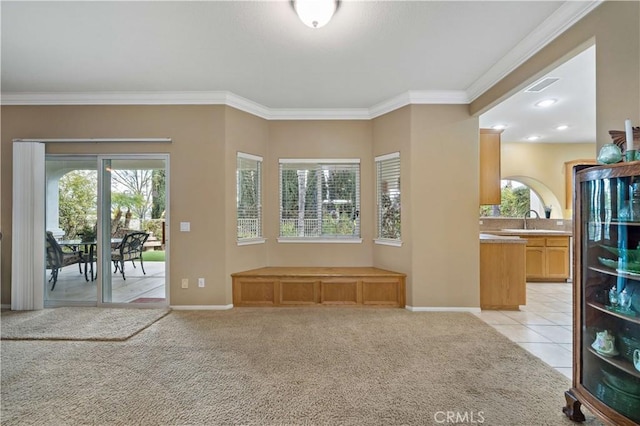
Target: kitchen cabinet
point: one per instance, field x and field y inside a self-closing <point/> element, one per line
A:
<point x="502" y="272"/>
<point x="490" y="192"/>
<point x="606" y="373"/>
<point x="547" y="258"/>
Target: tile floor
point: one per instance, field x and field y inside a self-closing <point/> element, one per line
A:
<point x="542" y="326"/>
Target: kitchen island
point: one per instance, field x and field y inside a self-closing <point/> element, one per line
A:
<point x="547" y="254"/>
<point x="502" y="272"/>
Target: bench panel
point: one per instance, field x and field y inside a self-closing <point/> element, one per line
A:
<point x="298" y="291"/>
<point x="255" y="291"/>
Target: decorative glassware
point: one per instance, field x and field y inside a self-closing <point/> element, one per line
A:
<point x="609" y="154"/>
<point x="613" y="297"/>
<point x="624" y="299"/>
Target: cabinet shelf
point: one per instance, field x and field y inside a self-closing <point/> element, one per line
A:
<point x="603" y="308"/>
<point x="615" y="273"/>
<point x="621" y="364"/>
<point x="615" y="222"/>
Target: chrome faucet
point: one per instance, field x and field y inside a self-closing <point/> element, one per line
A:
<point x="525" y="217"/>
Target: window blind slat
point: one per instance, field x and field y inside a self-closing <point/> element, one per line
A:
<point x="319" y="199"/>
<point x="248" y="196"/>
<point x="388" y="196"/>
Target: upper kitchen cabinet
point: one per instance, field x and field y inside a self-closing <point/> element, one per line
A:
<point x="490" y="192"/>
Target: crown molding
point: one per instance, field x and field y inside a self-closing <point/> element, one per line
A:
<point x="115" y="98"/>
<point x="419" y="97"/>
<point x="320" y="114"/>
<point x="235" y="101"/>
<point x="563" y="18"/>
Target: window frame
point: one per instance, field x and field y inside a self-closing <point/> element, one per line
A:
<point x="379" y="163"/>
<point x="318" y="163"/>
<point x="259" y="238"/>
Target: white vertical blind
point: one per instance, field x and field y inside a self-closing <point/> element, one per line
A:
<point x="320" y="198"/>
<point x="249" y="196"/>
<point x="27" y="253"/>
<point x="388" y="197"/>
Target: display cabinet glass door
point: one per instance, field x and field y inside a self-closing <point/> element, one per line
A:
<point x="610" y="302"/>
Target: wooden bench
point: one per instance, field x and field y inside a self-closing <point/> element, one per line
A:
<point x="287" y="286"/>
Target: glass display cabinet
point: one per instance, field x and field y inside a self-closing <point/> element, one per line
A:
<point x="606" y="332"/>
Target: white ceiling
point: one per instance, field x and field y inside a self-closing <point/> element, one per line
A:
<point x="373" y="56"/>
<point x="575" y="107"/>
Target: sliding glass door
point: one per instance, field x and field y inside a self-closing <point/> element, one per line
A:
<point x="132" y="233"/>
<point x="107" y="239"/>
<point x="71" y="193"/>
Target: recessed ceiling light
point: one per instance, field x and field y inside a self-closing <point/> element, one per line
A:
<point x="499" y="126"/>
<point x="545" y="103"/>
<point x="562" y="127"/>
<point x="533" y="138"/>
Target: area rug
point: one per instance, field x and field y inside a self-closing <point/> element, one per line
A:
<point x="77" y="323"/>
<point x="286" y="366"/>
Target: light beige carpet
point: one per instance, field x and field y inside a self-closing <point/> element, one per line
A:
<point x="77" y="323"/>
<point x="287" y="366"/>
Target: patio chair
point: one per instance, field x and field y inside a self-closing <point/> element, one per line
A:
<point x="58" y="259"/>
<point x="129" y="249"/>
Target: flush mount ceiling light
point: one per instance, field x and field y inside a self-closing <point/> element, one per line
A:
<point x="315" y="13"/>
<point x="533" y="138"/>
<point x="545" y="103"/>
<point x="499" y="127"/>
<point x="562" y="127"/>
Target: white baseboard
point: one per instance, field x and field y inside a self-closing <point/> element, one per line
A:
<point x="442" y="309"/>
<point x="201" y="307"/>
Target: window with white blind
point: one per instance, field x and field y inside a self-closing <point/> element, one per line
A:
<point x="388" y="199"/>
<point x="320" y="200"/>
<point x="249" y="198"/>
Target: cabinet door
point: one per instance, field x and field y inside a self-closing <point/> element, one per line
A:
<point x="557" y="265"/>
<point x="490" y="192"/>
<point x="535" y="262"/>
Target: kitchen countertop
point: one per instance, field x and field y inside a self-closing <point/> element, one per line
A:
<point x="501" y="239"/>
<point x="529" y="232"/>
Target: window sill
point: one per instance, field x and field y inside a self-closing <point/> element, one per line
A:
<point x="320" y="240"/>
<point x="251" y="241"/>
<point x="386" y="242"/>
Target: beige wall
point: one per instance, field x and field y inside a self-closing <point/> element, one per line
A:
<point x="440" y="194"/>
<point x="196" y="187"/>
<point x="319" y="139"/>
<point x="614" y="26"/>
<point x="392" y="133"/>
<point x="444" y="206"/>
<point x="249" y="134"/>
<point x="542" y="164"/>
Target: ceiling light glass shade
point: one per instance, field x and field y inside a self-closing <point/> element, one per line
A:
<point x="562" y="127"/>
<point x="546" y="103"/>
<point x="499" y="127"/>
<point x="533" y="138"/>
<point x="315" y="13"/>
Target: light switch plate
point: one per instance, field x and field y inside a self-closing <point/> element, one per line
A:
<point x="185" y="226"/>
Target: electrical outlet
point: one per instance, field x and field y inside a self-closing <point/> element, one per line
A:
<point x="481" y="223"/>
<point x="559" y="222"/>
<point x="185" y="283"/>
<point x="200" y="282"/>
